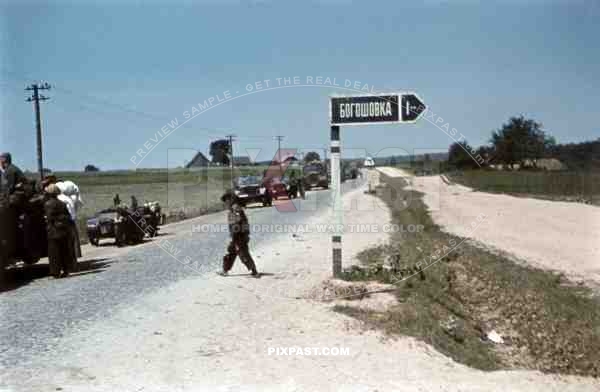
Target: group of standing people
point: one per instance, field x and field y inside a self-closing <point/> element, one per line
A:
<point x="61" y="202"/>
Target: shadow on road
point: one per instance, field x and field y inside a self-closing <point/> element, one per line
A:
<point x="23" y="275"/>
<point x="260" y="275"/>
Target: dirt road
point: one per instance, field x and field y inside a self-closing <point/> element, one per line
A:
<point x="214" y="334"/>
<point x="553" y="235"/>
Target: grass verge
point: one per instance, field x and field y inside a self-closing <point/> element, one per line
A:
<point x="547" y="323"/>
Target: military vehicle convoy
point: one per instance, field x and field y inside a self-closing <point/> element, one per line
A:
<point x="315" y="174"/>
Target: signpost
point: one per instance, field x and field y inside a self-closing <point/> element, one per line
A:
<point x="401" y="108"/>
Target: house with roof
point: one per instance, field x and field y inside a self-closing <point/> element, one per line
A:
<point x="199" y="160"/>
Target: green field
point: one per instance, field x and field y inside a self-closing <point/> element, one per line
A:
<point x="568" y="186"/>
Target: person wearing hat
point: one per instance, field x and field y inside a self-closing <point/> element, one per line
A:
<point x="58" y="224"/>
<point x="10" y="174"/>
<point x="239" y="230"/>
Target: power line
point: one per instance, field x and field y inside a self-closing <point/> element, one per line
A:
<point x="127" y="109"/>
<point x="36" y="98"/>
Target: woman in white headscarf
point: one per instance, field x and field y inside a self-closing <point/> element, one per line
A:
<point x="70" y="196"/>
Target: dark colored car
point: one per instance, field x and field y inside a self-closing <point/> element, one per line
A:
<point x="251" y="189"/>
<point x="125" y="225"/>
<point x="102" y="225"/>
<point x="277" y="187"/>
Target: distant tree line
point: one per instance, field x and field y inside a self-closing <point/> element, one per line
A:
<point x="521" y="141"/>
<point x="577" y="156"/>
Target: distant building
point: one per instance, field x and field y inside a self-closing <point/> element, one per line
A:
<point x="200" y="160"/>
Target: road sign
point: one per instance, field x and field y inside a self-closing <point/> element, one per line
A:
<point x="375" y="109"/>
<point x="401" y="108"/>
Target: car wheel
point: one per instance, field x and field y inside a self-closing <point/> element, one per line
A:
<point x="94" y="240"/>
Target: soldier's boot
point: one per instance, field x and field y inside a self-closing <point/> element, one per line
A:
<point x="229" y="259"/>
<point x="247" y="259"/>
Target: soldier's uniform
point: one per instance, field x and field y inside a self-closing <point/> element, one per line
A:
<point x="239" y="230"/>
<point x="11" y="175"/>
<point x="60" y="245"/>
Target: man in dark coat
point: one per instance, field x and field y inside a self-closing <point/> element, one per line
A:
<point x="60" y="243"/>
<point x="239" y="230"/>
<point x="11" y="174"/>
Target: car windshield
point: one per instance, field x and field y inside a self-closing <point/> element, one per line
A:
<point x="249" y="180"/>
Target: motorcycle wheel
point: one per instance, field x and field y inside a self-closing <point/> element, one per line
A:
<point x="3" y="272"/>
<point x="31" y="260"/>
<point x="120" y="237"/>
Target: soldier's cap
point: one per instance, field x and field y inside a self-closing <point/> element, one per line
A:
<point x="6" y="156"/>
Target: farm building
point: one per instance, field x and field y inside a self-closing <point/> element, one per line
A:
<point x="199" y="160"/>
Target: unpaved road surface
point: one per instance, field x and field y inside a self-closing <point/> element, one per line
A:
<point x="554" y="235"/>
<point x="203" y="332"/>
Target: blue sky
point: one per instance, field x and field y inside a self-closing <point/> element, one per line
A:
<point x="121" y="72"/>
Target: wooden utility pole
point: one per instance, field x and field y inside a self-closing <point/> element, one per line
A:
<point x="230" y="137"/>
<point x="36" y="98"/>
<point x="279" y="139"/>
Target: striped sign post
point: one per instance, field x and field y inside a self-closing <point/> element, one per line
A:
<point x="336" y="195"/>
<point x="400" y="108"/>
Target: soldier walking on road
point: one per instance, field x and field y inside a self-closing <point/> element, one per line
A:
<point x="239" y="229"/>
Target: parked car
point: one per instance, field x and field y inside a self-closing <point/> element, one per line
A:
<point x="277" y="187"/>
<point x="102" y="225"/>
<point x="125" y="225"/>
<point x="251" y="189"/>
